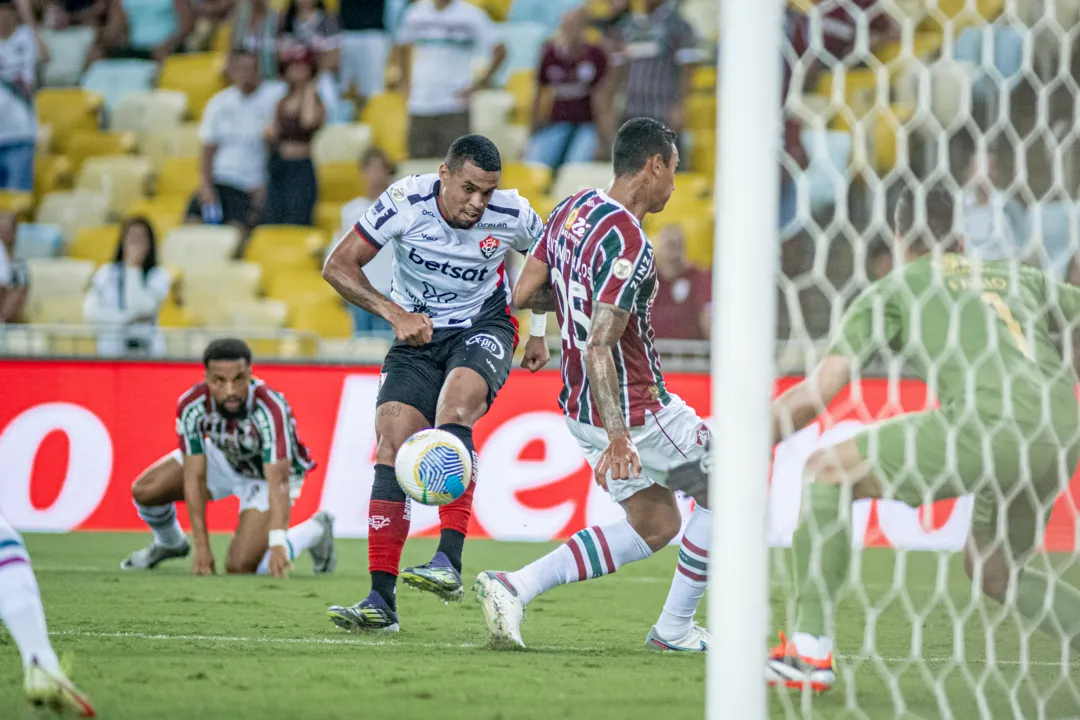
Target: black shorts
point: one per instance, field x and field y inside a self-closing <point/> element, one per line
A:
<point x="236" y="207"/>
<point x="415" y="375"/>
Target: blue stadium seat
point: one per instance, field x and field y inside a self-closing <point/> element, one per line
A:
<point x="544" y="12"/>
<point x="523" y="42"/>
<point x="1006" y="45"/>
<point x="1060" y="234"/>
<point x="116" y="79"/>
<point x="829" y="152"/>
<point x="34" y="240"/>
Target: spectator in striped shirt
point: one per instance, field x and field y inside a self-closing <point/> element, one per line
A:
<point x="656" y="53"/>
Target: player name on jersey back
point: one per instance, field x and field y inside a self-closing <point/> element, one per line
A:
<point x="444" y="272"/>
<point x="598" y="253"/>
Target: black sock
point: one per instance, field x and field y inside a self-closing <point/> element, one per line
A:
<point x="462" y="433"/>
<point x="385" y="584"/>
<point x="450" y="544"/>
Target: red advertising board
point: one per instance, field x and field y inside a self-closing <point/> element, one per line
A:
<point x="74" y="435"/>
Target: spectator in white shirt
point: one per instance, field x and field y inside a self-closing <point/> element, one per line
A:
<point x="233" y="166"/>
<point x="14" y="279"/>
<point x="19" y="53"/>
<point x="127" y="294"/>
<point x="436" y="44"/>
<point x="993" y="221"/>
<point x="378" y="172"/>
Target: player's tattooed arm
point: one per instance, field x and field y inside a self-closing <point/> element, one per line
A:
<point x="608" y="324"/>
<point x="620" y="458"/>
<point x="798" y="407"/>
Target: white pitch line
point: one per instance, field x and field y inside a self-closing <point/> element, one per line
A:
<point x="260" y="640"/>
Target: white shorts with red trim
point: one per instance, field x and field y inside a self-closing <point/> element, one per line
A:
<point x="223" y="480"/>
<point x="669" y="437"/>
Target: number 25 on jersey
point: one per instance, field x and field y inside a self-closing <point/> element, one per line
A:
<point x="575" y="324"/>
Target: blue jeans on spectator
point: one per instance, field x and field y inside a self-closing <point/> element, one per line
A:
<point x="17" y="167"/>
<point x="562" y="143"/>
<point x="364" y="323"/>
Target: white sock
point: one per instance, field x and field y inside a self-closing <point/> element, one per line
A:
<point x="297" y="540"/>
<point x="691" y="577"/>
<point x="20" y="602"/>
<point x="812" y="646"/>
<point x="163" y="523"/>
<point x="590" y="553"/>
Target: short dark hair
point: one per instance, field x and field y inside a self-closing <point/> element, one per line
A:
<point x="476" y="149"/>
<point x="637" y="141"/>
<point x="226" y="349"/>
<point x="925" y="217"/>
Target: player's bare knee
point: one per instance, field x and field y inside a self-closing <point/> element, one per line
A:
<point x="142" y="490"/>
<point x="240" y="563"/>
<point x="457" y="414"/>
<point x="992" y="570"/>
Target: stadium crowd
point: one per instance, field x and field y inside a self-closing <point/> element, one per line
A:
<point x="187" y="163"/>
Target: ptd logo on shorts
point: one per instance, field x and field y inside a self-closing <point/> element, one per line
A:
<point x="378" y="522"/>
<point x="489" y="343"/>
<point x="488" y="246"/>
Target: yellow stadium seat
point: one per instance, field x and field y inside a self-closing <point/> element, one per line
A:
<point x="282" y="236"/>
<point x="191" y="246"/>
<point x="522" y="85"/>
<point x="328" y="319"/>
<point x="697" y="229"/>
<point x="180" y="141"/>
<point x="692" y="186"/>
<point x="236" y="278"/>
<point x="83" y="144"/>
<point x="164" y="213"/>
<point x="328" y="219"/>
<point x="299" y="286"/>
<point x="151" y="110"/>
<point x="66" y="309"/>
<point x="531" y="180"/>
<point x="701" y="111"/>
<point x="340" y="143"/>
<point x="704" y="78"/>
<point x="198" y="75"/>
<point x="125" y="178"/>
<point x="18" y="203"/>
<point x="51" y="173"/>
<point x="67" y="110"/>
<point x="387" y="115"/>
<point x="339" y="181"/>
<point x="703" y="152"/>
<point x="174" y="316"/>
<point x="256" y="315"/>
<point x="59" y="276"/>
<point x="179" y="177"/>
<point x="544" y="204"/>
<point x="96" y="244"/>
<point x="72" y="210"/>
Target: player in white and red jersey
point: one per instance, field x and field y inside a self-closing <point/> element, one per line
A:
<point x="237" y="436"/>
<point x="449" y="306"/>
<point x="596" y="263"/>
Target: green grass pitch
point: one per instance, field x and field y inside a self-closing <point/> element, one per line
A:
<point x="164" y="645"/>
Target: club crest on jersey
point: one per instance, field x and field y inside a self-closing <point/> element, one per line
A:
<point x="703" y="436"/>
<point x="488" y="246"/>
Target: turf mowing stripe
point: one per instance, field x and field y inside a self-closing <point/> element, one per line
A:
<point x="465" y="646"/>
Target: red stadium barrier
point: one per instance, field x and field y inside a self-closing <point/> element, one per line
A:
<point x="73" y="436"/>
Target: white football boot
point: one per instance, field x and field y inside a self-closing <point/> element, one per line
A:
<point x="696" y="639"/>
<point x="503" y="610"/>
<point x="51" y="688"/>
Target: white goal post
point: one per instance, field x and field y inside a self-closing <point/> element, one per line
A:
<point x="743" y="342"/>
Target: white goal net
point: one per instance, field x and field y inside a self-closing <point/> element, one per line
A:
<point x="982" y="96"/>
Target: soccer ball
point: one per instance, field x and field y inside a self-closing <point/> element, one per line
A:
<point x="433" y="467"/>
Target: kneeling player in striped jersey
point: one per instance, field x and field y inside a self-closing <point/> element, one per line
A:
<point x="237" y="437"/>
<point x="599" y="262"/>
<point x="20" y="609"/>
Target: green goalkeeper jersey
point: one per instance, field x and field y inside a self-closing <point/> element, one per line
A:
<point x="977" y="333"/>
